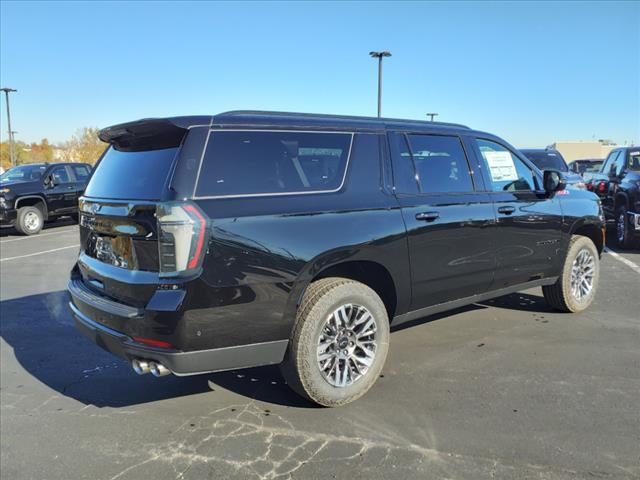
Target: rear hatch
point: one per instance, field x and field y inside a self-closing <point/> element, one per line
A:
<point x="119" y="233"/>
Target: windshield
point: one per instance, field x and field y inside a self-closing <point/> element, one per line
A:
<point x="131" y="175"/>
<point x="547" y="160"/>
<point x="23" y="173"/>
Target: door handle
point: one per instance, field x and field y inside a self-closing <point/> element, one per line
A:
<point x="507" y="210"/>
<point x="427" y="216"/>
<point x="70" y="187"/>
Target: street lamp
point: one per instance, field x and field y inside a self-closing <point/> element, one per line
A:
<point x="432" y="115"/>
<point x="11" y="152"/>
<point x="380" y="56"/>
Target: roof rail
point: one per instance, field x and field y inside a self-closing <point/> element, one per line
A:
<point x="340" y="117"/>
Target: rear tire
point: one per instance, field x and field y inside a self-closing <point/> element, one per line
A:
<point x="577" y="286"/>
<point x="339" y="342"/>
<point x="29" y="221"/>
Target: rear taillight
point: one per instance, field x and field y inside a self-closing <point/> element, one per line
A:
<point x="182" y="235"/>
<point x="602" y="186"/>
<point x="589" y="187"/>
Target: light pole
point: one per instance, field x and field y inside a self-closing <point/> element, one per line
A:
<point x="11" y="152"/>
<point x="380" y="56"/>
<point x="432" y="115"/>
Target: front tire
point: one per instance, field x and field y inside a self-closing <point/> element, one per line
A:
<point x="29" y="221"/>
<point x="623" y="234"/>
<point x="339" y="342"/>
<point x="576" y="288"/>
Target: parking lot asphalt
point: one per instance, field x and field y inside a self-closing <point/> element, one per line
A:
<point x="503" y="389"/>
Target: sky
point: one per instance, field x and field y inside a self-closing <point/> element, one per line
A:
<point x="532" y="73"/>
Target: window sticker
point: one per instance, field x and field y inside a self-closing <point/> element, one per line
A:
<point x="501" y="166"/>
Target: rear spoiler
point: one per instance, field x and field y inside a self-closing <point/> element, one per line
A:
<point x="148" y="133"/>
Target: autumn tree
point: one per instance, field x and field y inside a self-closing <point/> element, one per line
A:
<point x="84" y="146"/>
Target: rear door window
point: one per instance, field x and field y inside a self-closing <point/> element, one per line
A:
<point x="241" y="163"/>
<point x="431" y="164"/>
<point x="140" y="175"/>
<point x="81" y="172"/>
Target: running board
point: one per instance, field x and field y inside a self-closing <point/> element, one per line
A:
<point x="481" y="297"/>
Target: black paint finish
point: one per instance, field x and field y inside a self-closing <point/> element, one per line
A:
<point x="264" y="251"/>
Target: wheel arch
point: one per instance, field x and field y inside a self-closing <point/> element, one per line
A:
<point x="33" y="201"/>
<point x="621" y="198"/>
<point x="591" y="230"/>
<point x="371" y="272"/>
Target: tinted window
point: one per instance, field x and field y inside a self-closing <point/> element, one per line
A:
<point x="23" y="173"/>
<point x="131" y="175"/>
<point x="440" y="164"/>
<point x="60" y="174"/>
<point x="506" y="171"/>
<point x="620" y="163"/>
<point x="608" y="164"/>
<point x="258" y="162"/>
<point x="81" y="171"/>
<point x="634" y="160"/>
<point x="546" y="160"/>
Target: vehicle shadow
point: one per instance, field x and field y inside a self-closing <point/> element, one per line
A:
<point x="523" y="302"/>
<point x="40" y="330"/>
<point x="46" y="344"/>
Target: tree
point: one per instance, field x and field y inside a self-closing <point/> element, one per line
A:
<point x="84" y="146"/>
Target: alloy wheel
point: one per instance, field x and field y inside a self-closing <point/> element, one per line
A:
<point x="582" y="275"/>
<point x="621" y="227"/>
<point x="347" y="345"/>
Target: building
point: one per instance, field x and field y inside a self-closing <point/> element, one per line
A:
<point x="580" y="150"/>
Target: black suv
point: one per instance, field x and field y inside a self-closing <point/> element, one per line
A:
<point x="253" y="238"/>
<point x="618" y="185"/>
<point x="34" y="193"/>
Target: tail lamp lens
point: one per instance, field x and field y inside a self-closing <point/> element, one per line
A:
<point x="182" y="233"/>
<point x="601" y="187"/>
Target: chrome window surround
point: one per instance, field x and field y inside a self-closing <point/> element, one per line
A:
<point x="274" y="194"/>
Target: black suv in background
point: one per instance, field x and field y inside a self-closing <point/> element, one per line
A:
<point x="37" y="192"/>
<point x="550" y="159"/>
<point x="253" y="238"/>
<point x="618" y="185"/>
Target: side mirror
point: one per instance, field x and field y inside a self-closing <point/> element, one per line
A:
<point x="553" y="181"/>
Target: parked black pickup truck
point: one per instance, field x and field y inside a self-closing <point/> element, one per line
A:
<point x="618" y="185"/>
<point x="254" y="238"/>
<point x="34" y="193"/>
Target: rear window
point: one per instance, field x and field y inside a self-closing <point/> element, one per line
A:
<point x="131" y="175"/>
<point x="259" y="162"/>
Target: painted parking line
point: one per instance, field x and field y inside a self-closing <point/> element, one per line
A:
<point x="620" y="258"/>
<point x="38" y="253"/>
<point x="37" y="236"/>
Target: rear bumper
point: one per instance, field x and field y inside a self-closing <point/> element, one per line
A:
<point x="179" y="362"/>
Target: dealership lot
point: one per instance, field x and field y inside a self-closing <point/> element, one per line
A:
<point x="504" y="389"/>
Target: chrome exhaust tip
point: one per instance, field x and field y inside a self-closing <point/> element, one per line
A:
<point x="140" y="366"/>
<point x="158" y="370"/>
